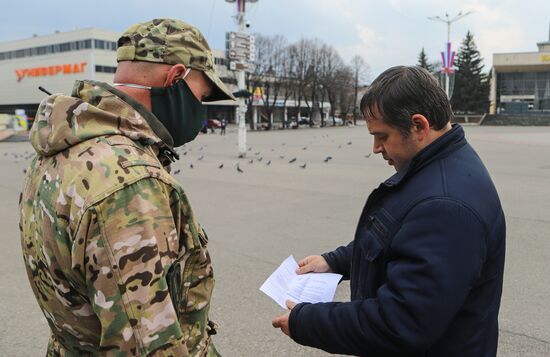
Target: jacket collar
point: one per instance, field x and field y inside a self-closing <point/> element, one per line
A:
<point x="443" y="146"/>
<point x="96" y="109"/>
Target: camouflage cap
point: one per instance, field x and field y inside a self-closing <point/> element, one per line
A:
<point x="171" y="42"/>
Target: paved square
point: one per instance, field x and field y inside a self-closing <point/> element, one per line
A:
<point x="274" y="208"/>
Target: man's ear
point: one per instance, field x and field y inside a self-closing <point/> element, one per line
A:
<point x="174" y="73"/>
<point x="421" y="126"/>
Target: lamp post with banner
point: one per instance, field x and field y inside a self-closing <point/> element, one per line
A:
<point x="448" y="56"/>
<point x="241" y="53"/>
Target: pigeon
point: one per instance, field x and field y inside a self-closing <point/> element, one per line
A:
<point x="200" y="158"/>
<point x="260" y="159"/>
<point x="291" y="161"/>
<point x="177" y="171"/>
<point x="191" y="166"/>
<point x="239" y="169"/>
<point x="221" y="166"/>
<point x="283" y="144"/>
<point x="185" y="153"/>
<point x="349" y="142"/>
<point x="328" y="158"/>
<point x="268" y="163"/>
<point x="367" y="156"/>
<point x="251" y="161"/>
<point x="304" y="148"/>
<point x="282" y="156"/>
<point x="339" y="146"/>
<point x="257" y="153"/>
<point x="249" y="149"/>
<point x="303" y="166"/>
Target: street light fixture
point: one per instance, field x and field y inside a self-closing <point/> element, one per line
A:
<point x="448" y="61"/>
<point x="241" y="111"/>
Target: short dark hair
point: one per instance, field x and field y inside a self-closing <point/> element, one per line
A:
<point x="400" y="92"/>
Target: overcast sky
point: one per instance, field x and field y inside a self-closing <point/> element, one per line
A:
<point x="385" y="33"/>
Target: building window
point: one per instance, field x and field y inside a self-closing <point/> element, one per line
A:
<point x="65" y="47"/>
<point x="59" y="47"/>
<point x="220" y="61"/>
<point x="105" y="69"/>
<point x="99" y="44"/>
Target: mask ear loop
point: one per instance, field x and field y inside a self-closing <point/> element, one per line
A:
<point x="131" y="85"/>
<point x="186" y="72"/>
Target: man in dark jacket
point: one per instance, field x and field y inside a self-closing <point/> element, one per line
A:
<point x="426" y="264"/>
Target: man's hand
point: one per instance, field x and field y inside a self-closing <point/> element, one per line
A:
<point x="282" y="321"/>
<point x="313" y="264"/>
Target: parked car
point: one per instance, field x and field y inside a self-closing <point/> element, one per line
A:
<point x="214" y="124"/>
<point x="335" y="121"/>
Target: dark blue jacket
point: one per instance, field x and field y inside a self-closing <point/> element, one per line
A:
<point x="426" y="264"/>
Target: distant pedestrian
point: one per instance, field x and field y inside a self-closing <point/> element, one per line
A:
<point x="223" y="126"/>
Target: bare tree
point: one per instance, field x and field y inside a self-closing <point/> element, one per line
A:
<point x="331" y="67"/>
<point x="361" y="76"/>
<point x="346" y="94"/>
<point x="270" y="73"/>
<point x="301" y="72"/>
<point x="309" y="71"/>
<point x="288" y="80"/>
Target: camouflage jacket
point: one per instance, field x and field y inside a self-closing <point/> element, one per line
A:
<point x="113" y="252"/>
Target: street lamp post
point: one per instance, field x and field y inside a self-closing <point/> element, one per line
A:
<point x="448" y="63"/>
<point x="242" y="108"/>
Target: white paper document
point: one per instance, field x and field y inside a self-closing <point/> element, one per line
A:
<point x="284" y="284"/>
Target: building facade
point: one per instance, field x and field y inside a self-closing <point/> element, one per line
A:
<point x="520" y="82"/>
<point x="55" y="61"/>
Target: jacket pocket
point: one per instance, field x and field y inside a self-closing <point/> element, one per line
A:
<point x="370" y="264"/>
<point x="196" y="280"/>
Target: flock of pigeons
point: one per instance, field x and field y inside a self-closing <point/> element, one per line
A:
<point x="183" y="152"/>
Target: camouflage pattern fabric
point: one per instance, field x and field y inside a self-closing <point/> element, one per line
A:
<point x="115" y="256"/>
<point x="171" y="42"/>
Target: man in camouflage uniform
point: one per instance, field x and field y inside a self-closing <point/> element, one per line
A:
<point x="114" y="254"/>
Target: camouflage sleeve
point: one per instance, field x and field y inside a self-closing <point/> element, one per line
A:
<point x="131" y="243"/>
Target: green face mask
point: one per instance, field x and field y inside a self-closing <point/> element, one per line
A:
<point x="178" y="110"/>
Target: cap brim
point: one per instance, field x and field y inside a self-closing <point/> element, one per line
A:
<point x="220" y="91"/>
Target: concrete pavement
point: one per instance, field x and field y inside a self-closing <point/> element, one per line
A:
<point x="257" y="218"/>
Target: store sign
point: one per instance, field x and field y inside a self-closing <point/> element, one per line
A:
<point x="50" y="70"/>
<point x="545" y="58"/>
